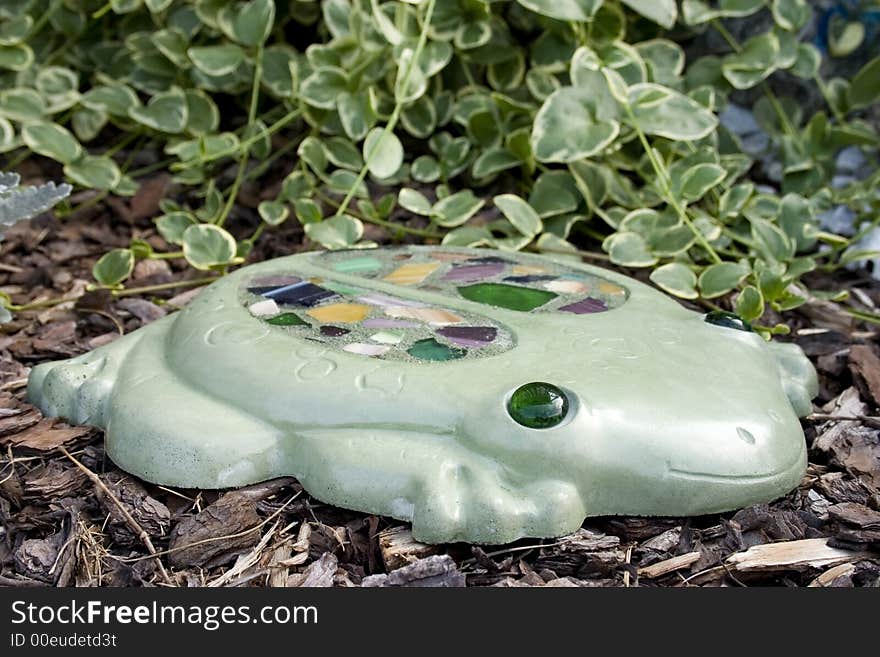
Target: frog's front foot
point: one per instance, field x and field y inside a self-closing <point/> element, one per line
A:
<point x="79" y="389"/>
<point x="797" y="374"/>
<point x="465" y="503"/>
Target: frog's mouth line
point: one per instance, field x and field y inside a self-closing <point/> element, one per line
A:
<point x="711" y="477"/>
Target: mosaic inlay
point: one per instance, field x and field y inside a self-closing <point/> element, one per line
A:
<point x="377" y="324"/>
<point x="482" y="395"/>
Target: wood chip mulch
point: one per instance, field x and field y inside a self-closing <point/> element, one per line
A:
<point x="70" y="517"/>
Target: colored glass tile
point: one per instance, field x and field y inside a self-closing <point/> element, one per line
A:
<point x="265" y="284"/>
<point x="511" y="297"/>
<point x="333" y="331"/>
<point x="300" y="294"/>
<point x="340" y="312"/>
<point x="364" y="349"/>
<point x="358" y="265"/>
<point x="521" y="270"/>
<point x="469" y="336"/>
<point x="529" y="278"/>
<point x="473" y="273"/>
<point x="287" y="319"/>
<point x="386" y="323"/>
<point x="264" y="308"/>
<point x="449" y="256"/>
<point x="430" y="349"/>
<point x="343" y="289"/>
<point x="586" y="306"/>
<point x="433" y="316"/>
<point x="566" y="286"/>
<point x="376" y="299"/>
<point x="606" y="287"/>
<point x="412" y="273"/>
<point x="388" y="337"/>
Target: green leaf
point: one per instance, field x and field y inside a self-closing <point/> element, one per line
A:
<point x="628" y="249"/>
<point x="95" y="171"/>
<point x="114" y="267"/>
<point x="492" y="161"/>
<point x="20" y="104"/>
<point x="666" y="113"/>
<point x="323" y="87"/>
<point x="754" y="63"/>
<point x="411" y="81"/>
<point x="797" y="221"/>
<point x="662" y="12"/>
<point x="771" y="241"/>
<point x="425" y="169"/>
<point x="51" y="140"/>
<point x="383" y="153"/>
<point x="273" y="213"/>
<point x="87" y="123"/>
<point x="206" y="246"/>
<point x="699" y="179"/>
<point x="173" y="225"/>
<point x="166" y="112"/>
<point x="14" y="30"/>
<point x="307" y="211"/>
<point x="566" y="128"/>
<point x="338" y="232"/>
<point x="415" y="202"/>
<point x="253" y="22"/>
<point x="519" y="213"/>
<point x="791" y="15"/>
<point x="356" y="113"/>
<point x="721" y="278"/>
<point x="677" y="279"/>
<point x="16" y="58"/>
<point x="217" y="60"/>
<point x="456" y="209"/>
<point x="115" y="99"/>
<point x="864" y="89"/>
<point x="750" y="303"/>
<point x="564" y="10"/>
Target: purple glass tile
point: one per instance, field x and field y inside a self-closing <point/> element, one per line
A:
<point x="529" y="278"/>
<point x="585" y="306"/>
<point x="299" y="294"/>
<point x="333" y="331"/>
<point x="469" y="336"/>
<point x="385" y="322"/>
<point x="473" y="273"/>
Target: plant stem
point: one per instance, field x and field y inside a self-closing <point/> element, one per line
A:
<point x="666" y="187"/>
<point x="244" y="145"/>
<point x="245" y="155"/>
<point x="173" y="255"/>
<point x="164" y="286"/>
<point x="395" y="114"/>
<point x="768" y="92"/>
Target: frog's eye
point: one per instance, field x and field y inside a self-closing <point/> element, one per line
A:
<point x="727" y="320"/>
<point x="538" y="405"/>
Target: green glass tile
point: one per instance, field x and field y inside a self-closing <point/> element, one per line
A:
<point x="287" y="319"/>
<point x="342" y="288"/>
<point x="430" y="349"/>
<point x="511" y="297"/>
<point x="357" y="265"/>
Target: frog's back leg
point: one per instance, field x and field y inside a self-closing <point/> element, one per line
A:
<point x="78" y="389"/>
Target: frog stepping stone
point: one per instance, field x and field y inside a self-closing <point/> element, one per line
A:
<point x="484" y="397"/>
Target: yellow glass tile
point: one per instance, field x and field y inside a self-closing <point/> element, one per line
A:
<point x="433" y="316"/>
<point x="340" y="312"/>
<point x="412" y="273"/>
<point x="610" y="288"/>
<point x="525" y="270"/>
<point x="564" y="286"/>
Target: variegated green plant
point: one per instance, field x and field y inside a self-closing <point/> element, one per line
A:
<point x="518" y="124"/>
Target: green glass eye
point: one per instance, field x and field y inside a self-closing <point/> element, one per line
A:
<point x="727" y="320"/>
<point x="538" y="405"/>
